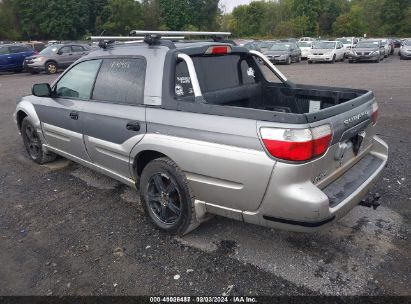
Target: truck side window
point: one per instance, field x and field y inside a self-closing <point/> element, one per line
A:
<point x="121" y="80"/>
<point x="183" y="86"/>
<point x="78" y="81"/>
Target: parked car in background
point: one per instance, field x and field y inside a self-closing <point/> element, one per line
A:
<point x="265" y="45"/>
<point x="367" y="50"/>
<point x="36" y="45"/>
<point x="348" y="42"/>
<point x="397" y="42"/>
<point x="327" y="51"/>
<point x="405" y="49"/>
<point x="12" y="56"/>
<point x="392" y="46"/>
<point x="51" y="42"/>
<point x="252" y="46"/>
<point x="306" y="39"/>
<point x="284" y="52"/>
<point x="54" y="57"/>
<point x="293" y="40"/>
<point x="305" y="47"/>
<point x="387" y="47"/>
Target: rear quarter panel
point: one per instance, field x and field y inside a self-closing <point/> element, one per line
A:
<point x="222" y="157"/>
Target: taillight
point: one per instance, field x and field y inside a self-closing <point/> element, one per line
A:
<point x="374" y="115"/>
<point x="218" y="50"/>
<point x="297" y="144"/>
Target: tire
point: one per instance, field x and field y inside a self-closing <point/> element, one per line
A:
<point x="288" y="61"/>
<point x="33" y="144"/>
<point x="299" y="59"/>
<point x="167" y="197"/>
<point x="350" y="61"/>
<point x="51" y="67"/>
<point x="333" y="60"/>
<point x="309" y="62"/>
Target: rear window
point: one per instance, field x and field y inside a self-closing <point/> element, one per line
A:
<point x="4" y="50"/>
<point x="214" y="73"/>
<point x="121" y="80"/>
<point x="19" y="49"/>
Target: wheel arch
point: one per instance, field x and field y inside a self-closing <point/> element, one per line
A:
<point x="20" y="115"/>
<point x="142" y="159"/>
<point x="25" y="108"/>
<point x="49" y="61"/>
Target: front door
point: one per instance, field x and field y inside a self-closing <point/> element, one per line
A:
<point x="61" y="116"/>
<point x="115" y="117"/>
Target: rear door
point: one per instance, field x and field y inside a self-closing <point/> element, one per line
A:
<point x="115" y="117"/>
<point x="17" y="54"/>
<point x="78" y="52"/>
<point x="61" y="116"/>
<point x="65" y="56"/>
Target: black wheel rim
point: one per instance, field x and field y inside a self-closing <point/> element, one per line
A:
<point x="164" y="199"/>
<point x="32" y="141"/>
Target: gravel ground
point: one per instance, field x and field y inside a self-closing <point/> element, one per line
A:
<point x="66" y="230"/>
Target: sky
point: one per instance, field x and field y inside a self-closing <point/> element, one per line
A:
<point x="230" y="4"/>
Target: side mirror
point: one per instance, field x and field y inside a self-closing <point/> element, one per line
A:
<point x="41" y="90"/>
<point x="59" y="52"/>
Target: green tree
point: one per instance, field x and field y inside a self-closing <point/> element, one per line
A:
<point x="352" y="23"/>
<point x="309" y="9"/>
<point x="175" y="13"/>
<point x="9" y="24"/>
<point x="122" y="16"/>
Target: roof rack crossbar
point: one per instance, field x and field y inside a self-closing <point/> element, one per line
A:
<point x="180" y="33"/>
<point x="126" y="38"/>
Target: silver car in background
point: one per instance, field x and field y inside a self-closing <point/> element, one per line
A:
<point x="55" y="57"/>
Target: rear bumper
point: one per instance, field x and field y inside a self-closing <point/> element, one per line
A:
<point x="304" y="207"/>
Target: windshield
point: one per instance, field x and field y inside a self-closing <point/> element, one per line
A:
<point x="280" y="47"/>
<point x="345" y="40"/>
<point x="406" y="42"/>
<point x="266" y="44"/>
<point x="49" y="50"/>
<point x="324" y="45"/>
<point x="304" y="44"/>
<point x="368" y="44"/>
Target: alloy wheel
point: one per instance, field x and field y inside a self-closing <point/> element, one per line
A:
<point x="164" y="199"/>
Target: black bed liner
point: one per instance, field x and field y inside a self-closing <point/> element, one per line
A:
<point x="337" y="100"/>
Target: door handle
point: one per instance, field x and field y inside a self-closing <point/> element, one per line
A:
<point x="133" y="126"/>
<point x="74" y="115"/>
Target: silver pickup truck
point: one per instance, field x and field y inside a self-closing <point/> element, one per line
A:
<point x="202" y="128"/>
